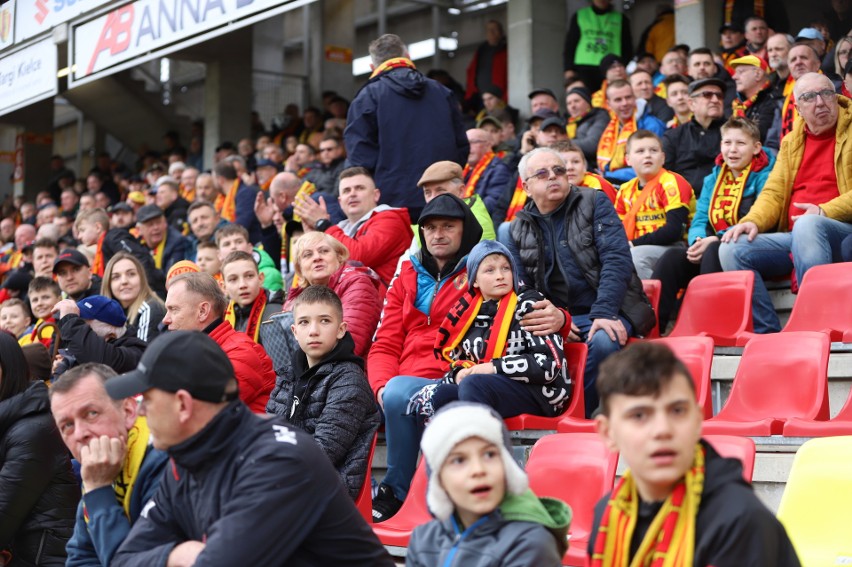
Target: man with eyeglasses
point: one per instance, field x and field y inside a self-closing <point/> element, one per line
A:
<point x="691" y="149"/>
<point x="569" y="244"/>
<point x="754" y="96"/>
<point x="332" y="155"/>
<point x="806" y="204"/>
<point x="486" y="175"/>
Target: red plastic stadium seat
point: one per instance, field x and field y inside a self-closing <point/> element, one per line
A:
<point x="733" y="447"/>
<point x="653" y="289"/>
<point x="780" y="376"/>
<point x="575" y="354"/>
<point x="824" y="302"/>
<point x="397" y="530"/>
<point x="840" y="424"/>
<point x="718" y="306"/>
<point x="364" y="502"/>
<point x="695" y="352"/>
<point x="578" y="469"/>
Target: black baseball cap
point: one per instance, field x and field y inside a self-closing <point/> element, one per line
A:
<point x="121" y="207"/>
<point x="180" y="360"/>
<point x="70" y="256"/>
<point x="695" y="85"/>
<point x="148" y="212"/>
<point x="542" y="91"/>
<point x="444" y="205"/>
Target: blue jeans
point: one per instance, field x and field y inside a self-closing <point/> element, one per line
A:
<point x="814" y="240"/>
<point x="402" y="432"/>
<point x="600" y="347"/>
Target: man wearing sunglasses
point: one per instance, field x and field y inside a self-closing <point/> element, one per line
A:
<point x="569" y="244"/>
<point x="691" y="149"/>
<point x="806" y="204"/>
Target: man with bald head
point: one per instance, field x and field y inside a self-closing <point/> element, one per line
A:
<point x="274" y="212"/>
<point x="487" y="175"/>
<point x="25" y="234"/>
<point x="206" y="190"/>
<point x="805" y="208"/>
<point x="801" y="59"/>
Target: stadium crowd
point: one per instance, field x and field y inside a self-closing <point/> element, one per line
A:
<point x="341" y="272"/>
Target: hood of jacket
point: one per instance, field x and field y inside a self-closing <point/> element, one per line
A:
<point x="527" y="507"/>
<point x="343" y="351"/>
<point x="31" y="401"/>
<point x="404" y="81"/>
<point x="471" y="233"/>
<point x="719" y="471"/>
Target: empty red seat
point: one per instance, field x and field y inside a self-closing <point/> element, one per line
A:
<point x="734" y="447"/>
<point x="695" y="352"/>
<point x="840" y="424"/>
<point x="824" y="302"/>
<point x="780" y="376"/>
<point x="397" y="530"/>
<point x="718" y="306"/>
<point x="575" y="354"/>
<point x="578" y="469"/>
<point x="652" y="289"/>
<point x="364" y="502"/>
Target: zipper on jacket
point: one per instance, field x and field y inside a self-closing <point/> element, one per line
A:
<point x="432" y="301"/>
<point x="460" y="537"/>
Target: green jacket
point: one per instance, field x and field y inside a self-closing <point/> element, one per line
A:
<point x="266" y="265"/>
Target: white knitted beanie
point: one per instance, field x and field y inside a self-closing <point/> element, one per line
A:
<point x="453" y="424"/>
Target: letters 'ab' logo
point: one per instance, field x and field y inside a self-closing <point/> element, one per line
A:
<point x="116" y="34"/>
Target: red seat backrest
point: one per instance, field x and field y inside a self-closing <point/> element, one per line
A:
<point x="734" y="447"/>
<point x="652" y="289"/>
<point x="780" y="376"/>
<point x="576" y="354"/>
<point x="364" y="502"/>
<point x="718" y="305"/>
<point x="697" y="354"/>
<point x="824" y="301"/>
<point x="576" y="468"/>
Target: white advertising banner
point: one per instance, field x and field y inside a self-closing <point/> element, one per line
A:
<point x="7" y="24"/>
<point x="37" y="16"/>
<point x="27" y="75"/>
<point x="141" y="27"/>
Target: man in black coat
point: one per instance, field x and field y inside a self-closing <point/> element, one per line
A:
<point x="400" y="123"/>
<point x="237" y="491"/>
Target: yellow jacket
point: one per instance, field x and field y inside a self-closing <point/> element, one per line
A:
<point x="769" y="212"/>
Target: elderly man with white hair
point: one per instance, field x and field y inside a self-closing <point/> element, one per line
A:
<point x="805" y="208"/>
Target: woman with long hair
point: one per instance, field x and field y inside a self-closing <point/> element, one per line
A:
<point x="38" y="491"/>
<point x="125" y="281"/>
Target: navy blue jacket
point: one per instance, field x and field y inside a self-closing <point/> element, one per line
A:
<point x="94" y="543"/>
<point x="493" y="187"/>
<point x="175" y="250"/>
<point x="246" y="195"/>
<point x="399" y="124"/>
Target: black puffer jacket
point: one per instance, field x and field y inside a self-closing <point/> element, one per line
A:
<point x="333" y="402"/>
<point x="38" y="492"/>
<point x="81" y="342"/>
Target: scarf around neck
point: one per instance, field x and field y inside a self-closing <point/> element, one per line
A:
<point x="254" y="318"/>
<point x="395" y="63"/>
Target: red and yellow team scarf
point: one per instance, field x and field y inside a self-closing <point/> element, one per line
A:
<point x="157" y="253"/>
<point x="661" y="91"/>
<point x="229" y="206"/>
<point x="675" y="122"/>
<point x="255" y="316"/>
<point x="137" y="446"/>
<point x="740" y="107"/>
<point x="98" y="261"/>
<point x="188" y="194"/>
<point x="473" y="177"/>
<point x="599" y="97"/>
<point x="461" y="318"/>
<point x="265" y="185"/>
<point x="305" y="191"/>
<point x="519" y="199"/>
<point x="42" y="332"/>
<point x="396" y="63"/>
<point x="644" y="211"/>
<point x="571" y="127"/>
<point x="613" y="142"/>
<point x="788" y="109"/>
<point x="219" y="203"/>
<point x="670" y="539"/>
<point x="726" y="198"/>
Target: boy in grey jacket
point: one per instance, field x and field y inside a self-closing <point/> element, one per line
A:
<point x="485" y="513"/>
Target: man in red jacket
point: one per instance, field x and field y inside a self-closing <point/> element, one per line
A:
<point x="402" y="358"/>
<point x="196" y="303"/>
<point x="375" y="235"/>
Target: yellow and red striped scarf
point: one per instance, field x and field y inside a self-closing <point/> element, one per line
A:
<point x="255" y="316"/>
<point x="461" y="317"/>
<point x="613" y="143"/>
<point x="473" y="177"/>
<point x="98" y="261"/>
<point x="229" y="206"/>
<point x="571" y="127"/>
<point x="727" y="196"/>
<point x="395" y="63"/>
<point x="519" y="199"/>
<point x="740" y="107"/>
<point x="788" y="110"/>
<point x="670" y="539"/>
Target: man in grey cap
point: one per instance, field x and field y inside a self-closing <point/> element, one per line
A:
<point x="256" y="505"/>
<point x="166" y="244"/>
<point x="691" y="148"/>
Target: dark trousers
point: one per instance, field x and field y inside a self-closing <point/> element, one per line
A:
<point x="508" y="397"/>
<point x="675" y="272"/>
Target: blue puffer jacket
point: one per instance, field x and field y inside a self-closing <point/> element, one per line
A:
<point x="399" y="124"/>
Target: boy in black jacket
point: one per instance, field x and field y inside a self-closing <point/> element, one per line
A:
<point x="679" y="500"/>
<point x="325" y="391"/>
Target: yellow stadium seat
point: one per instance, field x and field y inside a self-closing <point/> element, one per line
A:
<point x="816" y="507"/>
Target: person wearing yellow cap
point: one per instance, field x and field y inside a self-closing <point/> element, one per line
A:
<point x="754" y="98"/>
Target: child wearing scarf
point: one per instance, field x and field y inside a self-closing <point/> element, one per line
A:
<point x="493" y="360"/>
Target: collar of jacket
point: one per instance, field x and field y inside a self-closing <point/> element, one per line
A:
<point x="194" y="453"/>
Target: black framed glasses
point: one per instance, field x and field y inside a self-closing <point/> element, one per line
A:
<point x="544" y="174"/>
<point x="707" y="95"/>
<point x="827" y="95"/>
